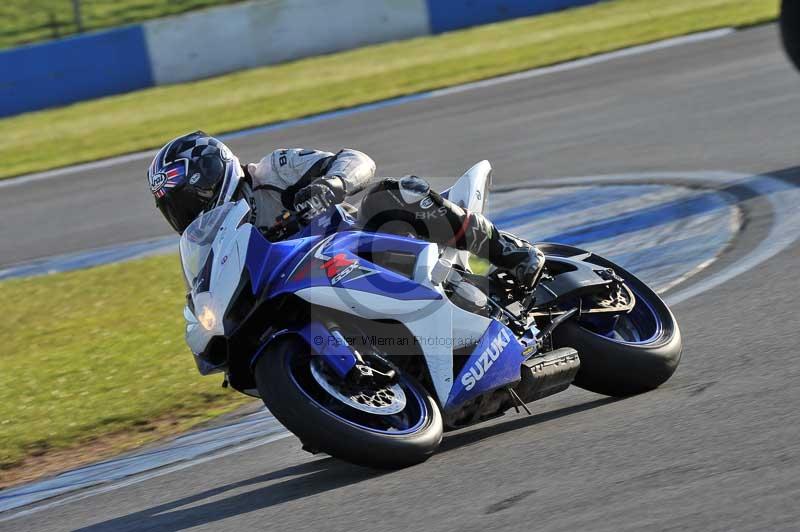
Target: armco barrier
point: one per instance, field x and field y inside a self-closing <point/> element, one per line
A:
<point x="449" y="15"/>
<point x="224" y="39"/>
<point x="215" y="41"/>
<point x="73" y="69"/>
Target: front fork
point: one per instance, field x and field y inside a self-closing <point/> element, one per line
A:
<point x="327" y="341"/>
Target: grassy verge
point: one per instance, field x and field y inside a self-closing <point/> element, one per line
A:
<point x="95" y="353"/>
<point x="145" y="119"/>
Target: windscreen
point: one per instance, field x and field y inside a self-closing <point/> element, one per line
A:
<point x="196" y="241"/>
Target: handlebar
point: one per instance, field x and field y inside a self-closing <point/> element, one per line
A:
<point x="287" y="223"/>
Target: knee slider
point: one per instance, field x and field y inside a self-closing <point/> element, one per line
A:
<point x="413" y="189"/>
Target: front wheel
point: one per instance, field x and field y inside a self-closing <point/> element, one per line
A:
<point x="623" y="354"/>
<point x="384" y="426"/>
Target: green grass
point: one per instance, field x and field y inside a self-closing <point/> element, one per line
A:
<point x="28" y="21"/>
<point x="146" y="119"/>
<point x="94" y="352"/>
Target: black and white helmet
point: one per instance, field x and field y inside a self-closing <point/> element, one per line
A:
<point x="192" y="174"/>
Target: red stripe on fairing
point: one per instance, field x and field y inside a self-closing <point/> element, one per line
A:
<point x="460" y="233"/>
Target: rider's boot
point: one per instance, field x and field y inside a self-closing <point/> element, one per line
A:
<point x="504" y="250"/>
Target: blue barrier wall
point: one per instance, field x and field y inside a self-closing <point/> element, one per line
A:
<point x="73" y="69"/>
<point x="448" y="15"/>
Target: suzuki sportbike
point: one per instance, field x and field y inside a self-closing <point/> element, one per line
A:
<point x="367" y="346"/>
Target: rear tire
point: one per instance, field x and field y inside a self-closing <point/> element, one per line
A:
<point x="321" y="429"/>
<point x="614" y="367"/>
<point x="619" y="370"/>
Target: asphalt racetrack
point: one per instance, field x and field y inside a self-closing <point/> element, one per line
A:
<point x="716" y="448"/>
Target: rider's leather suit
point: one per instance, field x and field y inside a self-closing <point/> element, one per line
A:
<point x="403" y="206"/>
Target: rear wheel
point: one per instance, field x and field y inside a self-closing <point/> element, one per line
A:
<point x="622" y="354"/>
<point x="383" y="426"/>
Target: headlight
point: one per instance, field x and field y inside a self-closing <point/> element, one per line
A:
<point x="207" y="318"/>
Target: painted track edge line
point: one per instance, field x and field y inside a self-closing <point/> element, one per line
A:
<point x="391" y="102"/>
<point x="91" y="492"/>
<point x="782" y="197"/>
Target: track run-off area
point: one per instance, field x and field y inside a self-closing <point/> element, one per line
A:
<point x="687" y="155"/>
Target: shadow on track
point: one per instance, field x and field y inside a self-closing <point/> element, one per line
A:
<point x="480" y="432"/>
<point x="308" y="479"/>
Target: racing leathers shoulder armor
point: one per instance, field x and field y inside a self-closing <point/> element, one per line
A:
<point x="276" y="178"/>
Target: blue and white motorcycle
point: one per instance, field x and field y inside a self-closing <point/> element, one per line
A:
<point x="367" y="346"/>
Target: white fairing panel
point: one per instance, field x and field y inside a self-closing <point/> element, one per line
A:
<point x="471" y="189"/>
<point x="438" y="326"/>
<point x="469" y="192"/>
<point x="228" y="242"/>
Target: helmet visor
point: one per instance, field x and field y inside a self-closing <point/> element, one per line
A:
<point x="181" y="206"/>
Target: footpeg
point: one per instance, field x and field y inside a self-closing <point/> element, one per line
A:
<point x="310" y="449"/>
<point x="548" y="374"/>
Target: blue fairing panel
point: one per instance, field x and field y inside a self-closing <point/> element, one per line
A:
<point x="265" y="260"/>
<point x="333" y="260"/>
<point x="494" y="363"/>
<point x="329" y="345"/>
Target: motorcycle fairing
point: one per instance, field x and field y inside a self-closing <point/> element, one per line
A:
<point x="338" y="259"/>
<point x="327" y="264"/>
<point x="213" y="258"/>
<point x="273" y="267"/>
<point x="495" y="362"/>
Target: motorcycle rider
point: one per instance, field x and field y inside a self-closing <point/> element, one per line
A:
<point x="196" y="172"/>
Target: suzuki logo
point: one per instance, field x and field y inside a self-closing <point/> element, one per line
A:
<point x="335" y="265"/>
<point x="481" y="366"/>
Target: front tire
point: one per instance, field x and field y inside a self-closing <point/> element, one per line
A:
<point x="632" y="355"/>
<point x="287" y="387"/>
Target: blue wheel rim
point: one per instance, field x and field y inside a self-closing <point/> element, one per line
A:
<point x="642" y="326"/>
<point x="410" y="420"/>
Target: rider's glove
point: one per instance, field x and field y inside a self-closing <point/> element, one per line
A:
<point x="314" y="199"/>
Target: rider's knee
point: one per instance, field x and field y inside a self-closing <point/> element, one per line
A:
<point x="391" y="193"/>
<point x="413" y="189"/>
<point x="407" y="190"/>
<point x="393" y="200"/>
